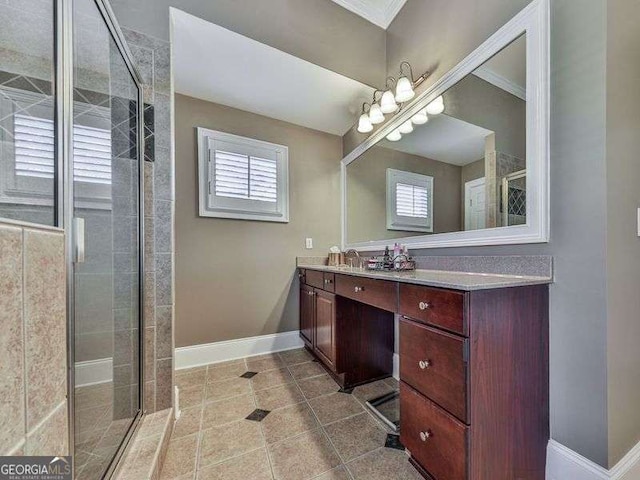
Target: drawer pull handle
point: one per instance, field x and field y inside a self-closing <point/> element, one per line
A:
<point x="311" y="294"/>
<point x="358" y="289"/>
<point x="424" y="305"/>
<point x="328" y="281"/>
<point x="423" y="364"/>
<point x="426" y="435"/>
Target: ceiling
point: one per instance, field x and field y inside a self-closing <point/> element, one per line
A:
<point x="378" y="12"/>
<point x="445" y="139"/>
<point x="257" y="78"/>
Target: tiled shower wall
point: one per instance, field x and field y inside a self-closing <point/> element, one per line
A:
<point x="33" y="344"/>
<point x="152" y="56"/>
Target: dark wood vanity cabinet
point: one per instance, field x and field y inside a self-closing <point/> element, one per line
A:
<point x="354" y="340"/>
<point x="307" y="314"/>
<point x="474" y="404"/>
<point x="474" y="392"/>
<point x="325" y="329"/>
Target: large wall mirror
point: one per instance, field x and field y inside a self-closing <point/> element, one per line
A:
<point x="466" y="162"/>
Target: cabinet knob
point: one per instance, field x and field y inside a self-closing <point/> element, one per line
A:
<point x="358" y="289"/>
<point x="426" y="435"/>
<point x="423" y="364"/>
<point x="311" y="294"/>
<point x="424" y="305"/>
<point x="328" y="281"/>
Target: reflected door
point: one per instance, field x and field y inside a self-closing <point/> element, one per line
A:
<point x="474" y="204"/>
<point x="105" y="198"/>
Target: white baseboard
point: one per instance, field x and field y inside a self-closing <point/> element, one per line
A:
<point x="197" y="355"/>
<point x="565" y="464"/>
<point x="92" y="372"/>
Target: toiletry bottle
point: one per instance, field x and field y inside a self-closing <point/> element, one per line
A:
<point x="386" y="260"/>
<point x="396" y="250"/>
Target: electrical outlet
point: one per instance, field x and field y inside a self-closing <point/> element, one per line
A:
<point x="308" y="243"/>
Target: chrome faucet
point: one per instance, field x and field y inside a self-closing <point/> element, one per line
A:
<point x="350" y="254"/>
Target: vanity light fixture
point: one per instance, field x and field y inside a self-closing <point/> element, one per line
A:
<point x="406" y="84"/>
<point x="436" y="107"/>
<point x="420" y="118"/>
<point x="406" y="127"/>
<point x="394" y="136"/>
<point x="364" y="123"/>
<point x="376" y="115"/>
<point x="388" y="102"/>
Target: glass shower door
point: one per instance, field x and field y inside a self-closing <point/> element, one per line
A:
<point x="105" y="189"/>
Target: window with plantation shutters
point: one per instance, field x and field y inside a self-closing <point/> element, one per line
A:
<point x="409" y="201"/>
<point x="242" y="178"/>
<point x="27" y="151"/>
<point x="34" y="150"/>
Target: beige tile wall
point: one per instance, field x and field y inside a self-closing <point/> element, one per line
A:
<point x="33" y="344"/>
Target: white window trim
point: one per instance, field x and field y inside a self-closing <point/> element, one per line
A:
<point x="206" y="139"/>
<point x="394" y="221"/>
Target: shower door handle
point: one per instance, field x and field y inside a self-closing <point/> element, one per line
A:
<point x="78" y="239"/>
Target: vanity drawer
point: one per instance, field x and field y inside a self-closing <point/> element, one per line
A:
<point x="442" y="308"/>
<point x="379" y="293"/>
<point x="435" y="364"/>
<point x="436" y="439"/>
<point x="329" y="282"/>
<point x="314" y="278"/>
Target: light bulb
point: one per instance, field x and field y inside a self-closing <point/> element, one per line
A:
<point x="404" y="90"/>
<point x="375" y="114"/>
<point x="388" y="103"/>
<point x="420" y="118"/>
<point x="364" y="124"/>
<point x="406" y="127"/>
<point x="436" y="107"/>
<point x="394" y="136"/>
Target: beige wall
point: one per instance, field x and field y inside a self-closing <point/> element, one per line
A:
<point x="480" y="103"/>
<point x="367" y="193"/>
<point x="623" y="244"/>
<point x="33" y="354"/>
<point x="235" y="278"/>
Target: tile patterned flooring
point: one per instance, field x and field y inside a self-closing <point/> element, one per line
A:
<point x="304" y="428"/>
<point x="97" y="434"/>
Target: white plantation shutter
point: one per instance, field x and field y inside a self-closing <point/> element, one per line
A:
<point x="409" y="201"/>
<point x="34" y="150"/>
<point x="91" y="155"/>
<point x="34" y="146"/>
<point x="242" y="177"/>
<point x="412" y="201"/>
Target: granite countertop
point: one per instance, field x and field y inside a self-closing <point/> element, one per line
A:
<point x="440" y="278"/>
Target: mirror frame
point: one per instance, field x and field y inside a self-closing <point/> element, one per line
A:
<point x="533" y="21"/>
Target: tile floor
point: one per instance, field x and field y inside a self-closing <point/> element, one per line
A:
<point x="97" y="434"/>
<point x="279" y="416"/>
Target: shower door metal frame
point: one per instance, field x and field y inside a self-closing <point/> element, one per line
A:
<point x="64" y="194"/>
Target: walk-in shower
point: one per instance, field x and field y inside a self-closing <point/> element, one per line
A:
<point x="70" y="156"/>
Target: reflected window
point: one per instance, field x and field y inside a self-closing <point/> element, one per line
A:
<point x="409" y="201"/>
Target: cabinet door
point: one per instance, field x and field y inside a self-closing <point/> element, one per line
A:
<point x="325" y="343"/>
<point x="307" y="313"/>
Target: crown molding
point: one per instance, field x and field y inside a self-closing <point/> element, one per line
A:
<point x="499" y="81"/>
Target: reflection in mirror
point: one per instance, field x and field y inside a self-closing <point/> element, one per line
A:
<point x="459" y="164"/>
